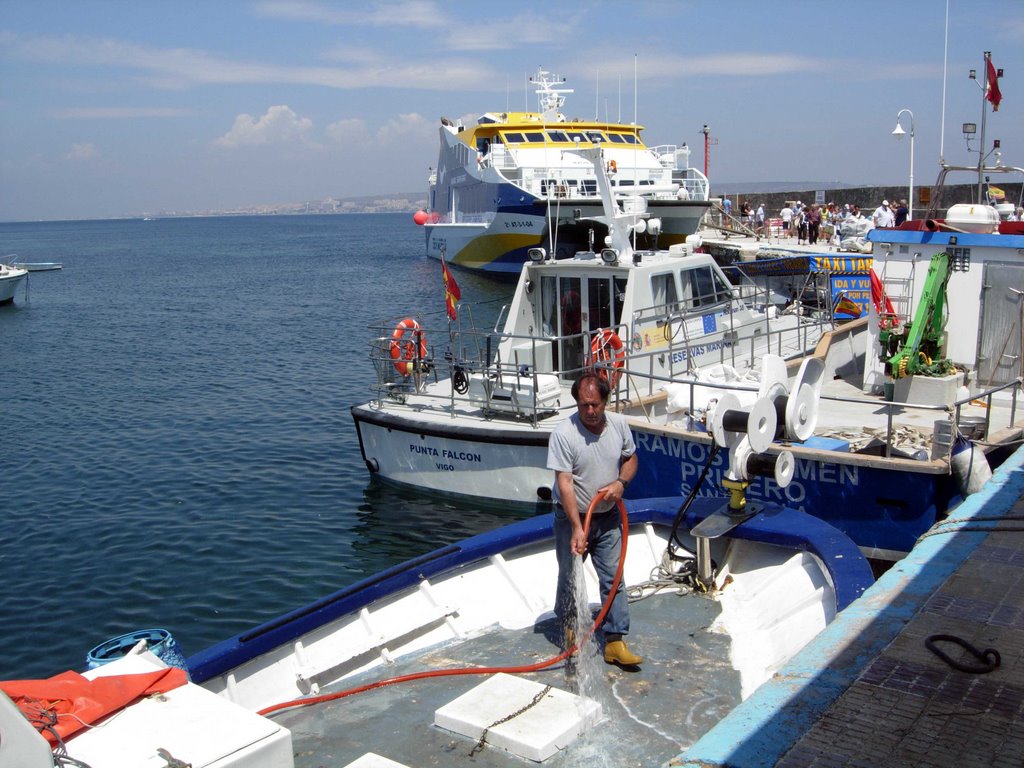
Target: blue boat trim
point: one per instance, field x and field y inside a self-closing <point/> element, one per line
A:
<point x="807" y="533"/>
<point x="767" y="725"/>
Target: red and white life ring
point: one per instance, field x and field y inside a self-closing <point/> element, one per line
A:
<point x="404" y="352"/>
<point x="607" y="347"/>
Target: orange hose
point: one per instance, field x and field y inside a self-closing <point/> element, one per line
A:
<point x="482" y="670"/>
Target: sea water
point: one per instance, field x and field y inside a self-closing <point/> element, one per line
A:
<point x="177" y="446"/>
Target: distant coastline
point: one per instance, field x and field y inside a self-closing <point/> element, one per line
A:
<point x="772" y="194"/>
<point x="402" y="202"/>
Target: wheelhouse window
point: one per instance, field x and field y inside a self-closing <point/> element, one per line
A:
<point x="558" y="136"/>
<point x="513" y="138"/>
<point x="663" y="288"/>
<point x="535" y="137"/>
<point x="616" y="138"/>
<point x="703" y="287"/>
<point x="594" y="136"/>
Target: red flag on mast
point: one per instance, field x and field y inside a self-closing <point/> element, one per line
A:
<point x="992" y="93"/>
<point x="451" y="289"/>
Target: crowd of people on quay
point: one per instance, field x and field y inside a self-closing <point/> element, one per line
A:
<point x="809" y="223"/>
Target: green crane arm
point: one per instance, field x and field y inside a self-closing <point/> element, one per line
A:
<point x="924" y="334"/>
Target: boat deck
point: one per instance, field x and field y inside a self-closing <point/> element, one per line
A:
<point x="869" y="691"/>
<point x="684" y="687"/>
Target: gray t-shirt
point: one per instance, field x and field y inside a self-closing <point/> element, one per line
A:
<point x="594" y="460"/>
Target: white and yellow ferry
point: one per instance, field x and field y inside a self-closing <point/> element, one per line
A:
<point x="516" y="181"/>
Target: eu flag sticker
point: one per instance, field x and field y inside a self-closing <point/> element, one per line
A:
<point x="710" y="326"/>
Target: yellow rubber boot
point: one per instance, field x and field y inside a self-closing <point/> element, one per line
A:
<point x="570" y="641"/>
<point x="616" y="652"/>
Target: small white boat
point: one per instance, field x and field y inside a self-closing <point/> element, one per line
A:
<point x="10" y="278"/>
<point x="38" y="266"/>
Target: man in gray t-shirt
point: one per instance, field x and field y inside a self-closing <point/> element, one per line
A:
<point x="592" y="452"/>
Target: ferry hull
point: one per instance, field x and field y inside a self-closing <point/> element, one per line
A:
<point x="501" y="245"/>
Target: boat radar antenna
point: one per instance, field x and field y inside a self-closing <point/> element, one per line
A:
<point x="747" y="432"/>
<point x="550" y="100"/>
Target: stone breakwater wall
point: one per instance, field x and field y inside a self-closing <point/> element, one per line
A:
<point x="868" y="198"/>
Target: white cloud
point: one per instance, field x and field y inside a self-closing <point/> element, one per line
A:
<point x="410" y="125"/>
<point x="180" y="68"/>
<point x="530" y="30"/>
<point x="408" y="13"/>
<point x="82" y="152"/>
<point x="280" y="125"/>
<point x="345" y="131"/>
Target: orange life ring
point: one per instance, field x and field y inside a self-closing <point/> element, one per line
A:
<point x="607" y="347"/>
<point x="405" y="352"/>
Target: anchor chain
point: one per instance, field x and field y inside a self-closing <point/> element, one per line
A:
<point x="483" y="736"/>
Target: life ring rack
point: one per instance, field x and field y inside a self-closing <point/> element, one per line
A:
<point x="607" y="347"/>
<point x="405" y="352"/>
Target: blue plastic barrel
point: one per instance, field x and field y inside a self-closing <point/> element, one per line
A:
<point x="161" y="644"/>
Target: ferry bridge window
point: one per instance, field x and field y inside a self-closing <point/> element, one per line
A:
<point x="535" y="137"/>
<point x="616" y="138"/>
<point x="513" y="138"/>
<point x="595" y="136"/>
<point x="574" y="135"/>
<point x="630" y="138"/>
<point x="558" y="136"/>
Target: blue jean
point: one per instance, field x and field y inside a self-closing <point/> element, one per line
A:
<point x="604" y="545"/>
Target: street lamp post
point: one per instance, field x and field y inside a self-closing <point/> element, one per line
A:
<point x="899" y="133"/>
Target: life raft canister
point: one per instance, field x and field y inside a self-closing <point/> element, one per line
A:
<point x="607" y="347"/>
<point x="404" y="352"/>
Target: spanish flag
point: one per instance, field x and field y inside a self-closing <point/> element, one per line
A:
<point x="846" y="306"/>
<point x="451" y="290"/>
<point x="995" y="193"/>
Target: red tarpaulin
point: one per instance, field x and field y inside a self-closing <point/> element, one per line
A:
<point x="72" y="701"/>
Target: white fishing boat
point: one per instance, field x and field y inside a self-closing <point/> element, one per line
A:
<point x="472" y="416"/>
<point x="10" y="278"/>
<point x="455" y="658"/>
<point x="516" y="181"/>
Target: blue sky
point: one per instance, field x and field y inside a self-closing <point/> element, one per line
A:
<point x="111" y="107"/>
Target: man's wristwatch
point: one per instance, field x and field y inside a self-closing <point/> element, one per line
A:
<point x="625" y="483"/>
